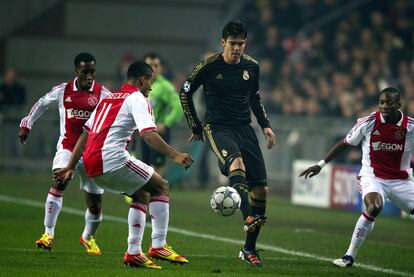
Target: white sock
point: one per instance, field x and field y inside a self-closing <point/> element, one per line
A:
<point x="136" y="226"/>
<point x="92" y="222"/>
<point x="159" y="208"/>
<point x="53" y="205"/>
<point x="363" y="228"/>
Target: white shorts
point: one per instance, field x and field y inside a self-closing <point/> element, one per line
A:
<point x="399" y="192"/>
<point x="127" y="179"/>
<point x="62" y="158"/>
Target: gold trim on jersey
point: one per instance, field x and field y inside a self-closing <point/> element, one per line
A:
<point x="202" y="64"/>
<point x="210" y="138"/>
<point x="263" y="108"/>
<point x="184" y="103"/>
<point x="247" y="57"/>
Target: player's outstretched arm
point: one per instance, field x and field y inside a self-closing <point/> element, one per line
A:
<point x="270" y="137"/>
<point x="156" y="142"/>
<point x="335" y="151"/>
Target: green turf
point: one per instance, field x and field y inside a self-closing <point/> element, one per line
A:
<point x="318" y="232"/>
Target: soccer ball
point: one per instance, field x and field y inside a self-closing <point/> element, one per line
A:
<point x="225" y="201"/>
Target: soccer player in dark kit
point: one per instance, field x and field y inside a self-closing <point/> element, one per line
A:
<point x="231" y="88"/>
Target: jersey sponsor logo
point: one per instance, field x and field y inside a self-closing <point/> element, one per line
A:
<point x="186" y="86"/>
<point x="68" y="99"/>
<point x="93" y="101"/>
<point x="78" y="114"/>
<point x="386" y="146"/>
<point x="119" y="95"/>
<point x="246" y="75"/>
<point x="375" y="133"/>
<point x="219" y="77"/>
<point x="399" y="134"/>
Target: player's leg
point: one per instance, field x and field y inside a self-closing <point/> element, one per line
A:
<point x="128" y="180"/>
<point x="134" y="255"/>
<point x="54" y="201"/>
<point x="93" y="214"/>
<point x="224" y="143"/>
<point x="373" y="197"/>
<point x="159" y="206"/>
<point x="93" y="218"/>
<point x="402" y="195"/>
<point x="258" y="190"/>
<point x="237" y="180"/>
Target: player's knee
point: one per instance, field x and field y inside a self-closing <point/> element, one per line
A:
<point x="163" y="187"/>
<point x="236" y="163"/>
<point x="95" y="208"/>
<point x="374" y="208"/>
<point x="259" y="192"/>
<point x="61" y="186"/>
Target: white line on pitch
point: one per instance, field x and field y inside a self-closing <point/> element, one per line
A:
<point x="32" y="203"/>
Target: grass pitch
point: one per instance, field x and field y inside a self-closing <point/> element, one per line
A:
<point x="297" y="241"/>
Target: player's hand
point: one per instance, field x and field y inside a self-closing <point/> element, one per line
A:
<point x="184" y="159"/>
<point x="311" y="171"/>
<point x="23" y="136"/>
<point x="196" y="137"/>
<point x="63" y="175"/>
<point x="270" y="137"/>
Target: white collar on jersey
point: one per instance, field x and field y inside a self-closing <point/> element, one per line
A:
<point x="75" y="88"/>
<point x="398" y="123"/>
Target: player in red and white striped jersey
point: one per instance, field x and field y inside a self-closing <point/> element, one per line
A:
<point x="76" y="101"/>
<point x="387" y="139"/>
<point x="107" y="161"/>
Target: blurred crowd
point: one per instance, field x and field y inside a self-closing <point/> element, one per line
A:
<point x="331" y="57"/>
<point x="317" y="57"/>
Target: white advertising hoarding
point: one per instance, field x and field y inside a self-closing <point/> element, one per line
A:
<point x="313" y="191"/>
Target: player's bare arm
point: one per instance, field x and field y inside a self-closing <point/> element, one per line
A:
<point x="270" y="137"/>
<point x="65" y="174"/>
<point x="156" y="142"/>
<point x="335" y="151"/>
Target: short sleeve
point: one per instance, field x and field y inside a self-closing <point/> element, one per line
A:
<point x="141" y="111"/>
<point x="357" y="133"/>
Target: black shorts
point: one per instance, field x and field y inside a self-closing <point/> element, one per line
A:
<point x="150" y="156"/>
<point x="230" y="142"/>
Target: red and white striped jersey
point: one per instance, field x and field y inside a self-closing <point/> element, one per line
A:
<point x="386" y="148"/>
<point x="111" y="127"/>
<point x="75" y="107"/>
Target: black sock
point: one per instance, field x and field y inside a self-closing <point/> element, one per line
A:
<point x="237" y="179"/>
<point x="258" y="208"/>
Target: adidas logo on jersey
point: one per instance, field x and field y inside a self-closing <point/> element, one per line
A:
<point x="219" y="77"/>
<point x="68" y="99"/>
<point x="376" y="133"/>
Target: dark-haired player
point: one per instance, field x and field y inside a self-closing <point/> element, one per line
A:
<point x="76" y="100"/>
<point x="231" y="89"/>
<point x="387" y="141"/>
<point x="107" y="161"/>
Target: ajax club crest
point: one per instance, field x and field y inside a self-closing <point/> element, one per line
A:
<point x="399" y="134"/>
<point x="93" y="101"/>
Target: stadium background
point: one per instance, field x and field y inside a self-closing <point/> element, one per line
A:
<point x="322" y="64"/>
